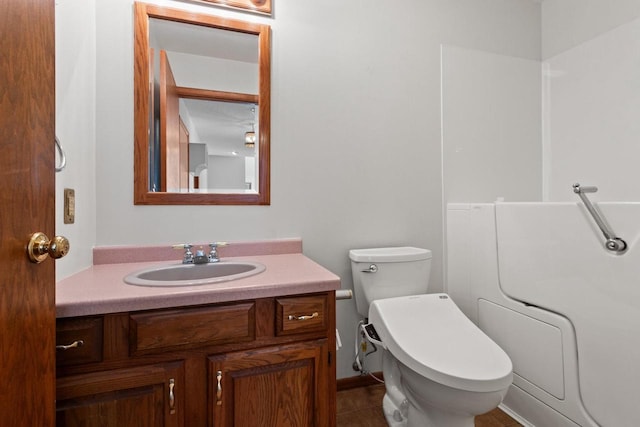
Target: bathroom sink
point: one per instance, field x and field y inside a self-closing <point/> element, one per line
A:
<point x="194" y="274"/>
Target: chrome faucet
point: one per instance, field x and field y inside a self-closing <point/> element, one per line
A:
<point x="200" y="257"/>
<point x="188" y="255"/>
<point x="213" y="253"/>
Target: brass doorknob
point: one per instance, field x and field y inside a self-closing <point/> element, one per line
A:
<point x="40" y="247"/>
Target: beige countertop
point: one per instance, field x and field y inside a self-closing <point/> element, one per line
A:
<point x="100" y="289"/>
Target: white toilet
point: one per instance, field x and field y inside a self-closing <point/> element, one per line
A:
<point x="440" y="370"/>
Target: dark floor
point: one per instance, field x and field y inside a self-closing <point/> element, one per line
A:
<point x="362" y="407"/>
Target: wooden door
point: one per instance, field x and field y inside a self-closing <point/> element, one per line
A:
<point x="27" y="193"/>
<point x="169" y="127"/>
<point x="145" y="396"/>
<point x="273" y="387"/>
<point x="184" y="156"/>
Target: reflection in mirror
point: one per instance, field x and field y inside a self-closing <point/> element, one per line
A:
<point x="202" y="91"/>
<point x="222" y="148"/>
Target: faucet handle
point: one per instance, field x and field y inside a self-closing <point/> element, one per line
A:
<point x="218" y="244"/>
<point x="188" y="255"/>
<point x="182" y="246"/>
<point x="213" y="253"/>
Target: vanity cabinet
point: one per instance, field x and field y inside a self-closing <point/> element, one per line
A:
<point x="278" y="386"/>
<point x="261" y="362"/>
<point x="141" y="396"/>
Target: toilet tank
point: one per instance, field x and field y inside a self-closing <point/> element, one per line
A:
<point x="388" y="272"/>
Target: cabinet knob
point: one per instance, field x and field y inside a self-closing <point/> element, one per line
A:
<point x="172" y="397"/>
<point x="305" y="317"/>
<point x="75" y="344"/>
<point x="219" y="389"/>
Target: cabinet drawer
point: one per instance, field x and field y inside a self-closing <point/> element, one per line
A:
<point x="301" y="314"/>
<point x="192" y="327"/>
<point x="82" y="338"/>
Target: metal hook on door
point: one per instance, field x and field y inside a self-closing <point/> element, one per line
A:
<point x="63" y="158"/>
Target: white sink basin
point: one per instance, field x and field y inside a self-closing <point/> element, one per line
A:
<point x="194" y="274"/>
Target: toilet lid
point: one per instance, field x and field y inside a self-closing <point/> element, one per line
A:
<point x="429" y="334"/>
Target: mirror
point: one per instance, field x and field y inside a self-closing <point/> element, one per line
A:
<point x="202" y="109"/>
<point x="262" y="6"/>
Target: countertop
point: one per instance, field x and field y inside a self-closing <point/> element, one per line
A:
<point x="100" y="289"/>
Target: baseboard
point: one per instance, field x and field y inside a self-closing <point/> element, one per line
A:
<point x="358" y="381"/>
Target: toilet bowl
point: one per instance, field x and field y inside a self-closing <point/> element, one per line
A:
<point x="448" y="370"/>
<point x="440" y="369"/>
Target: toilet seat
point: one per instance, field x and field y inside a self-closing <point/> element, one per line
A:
<point x="429" y="334"/>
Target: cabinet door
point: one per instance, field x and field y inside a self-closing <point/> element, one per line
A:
<point x="146" y="396"/>
<point x="271" y="387"/>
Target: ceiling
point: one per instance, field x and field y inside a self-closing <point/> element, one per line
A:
<point x="221" y="125"/>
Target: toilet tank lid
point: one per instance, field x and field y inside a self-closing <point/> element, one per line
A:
<point x="392" y="254"/>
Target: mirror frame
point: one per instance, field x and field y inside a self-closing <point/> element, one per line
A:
<point x="142" y="195"/>
<point x="261" y="6"/>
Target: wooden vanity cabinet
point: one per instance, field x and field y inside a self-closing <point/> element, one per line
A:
<point x="143" y="396"/>
<point x="264" y="362"/>
<point x="274" y="386"/>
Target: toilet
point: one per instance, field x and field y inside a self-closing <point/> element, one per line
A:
<point x="440" y="369"/>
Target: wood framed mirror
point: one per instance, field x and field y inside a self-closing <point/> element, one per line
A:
<point x="260" y="6"/>
<point x="202" y="109"/>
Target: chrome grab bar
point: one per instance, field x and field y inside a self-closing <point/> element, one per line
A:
<point x="612" y="243"/>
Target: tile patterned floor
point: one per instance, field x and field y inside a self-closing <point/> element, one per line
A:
<point x="362" y="407"/>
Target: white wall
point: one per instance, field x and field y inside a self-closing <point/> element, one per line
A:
<point x="356" y="151"/>
<point x="203" y="72"/>
<point x="76" y="127"/>
<point x="491" y="127"/>
<point x="568" y="23"/>
<point x="592" y="106"/>
<point x="226" y="172"/>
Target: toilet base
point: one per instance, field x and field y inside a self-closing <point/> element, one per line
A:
<point x="434" y="418"/>
<point x="437" y="418"/>
<point x="392" y="413"/>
